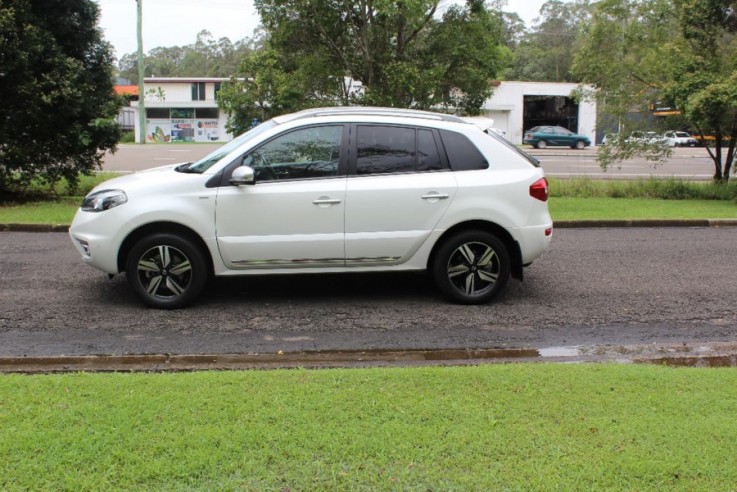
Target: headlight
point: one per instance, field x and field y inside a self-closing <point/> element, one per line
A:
<point x="103" y="200"/>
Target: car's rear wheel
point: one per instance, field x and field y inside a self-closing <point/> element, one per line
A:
<point x="542" y="144"/>
<point x="471" y="267"/>
<point x="166" y="271"/>
<point x="580" y="145"/>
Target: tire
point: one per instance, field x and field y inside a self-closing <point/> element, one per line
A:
<point x="580" y="145"/>
<point x="166" y="271"/>
<point x="541" y="144"/>
<point x="471" y="267"/>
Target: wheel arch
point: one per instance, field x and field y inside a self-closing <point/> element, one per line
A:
<point x="515" y="253"/>
<point x="162" y="227"/>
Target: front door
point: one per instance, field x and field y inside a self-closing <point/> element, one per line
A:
<point x="293" y="216"/>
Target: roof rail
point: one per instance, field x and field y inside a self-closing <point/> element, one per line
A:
<point x="376" y="111"/>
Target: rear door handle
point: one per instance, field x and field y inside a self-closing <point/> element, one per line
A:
<point x="326" y="201"/>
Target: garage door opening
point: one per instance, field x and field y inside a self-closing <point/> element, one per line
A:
<point x="550" y="110"/>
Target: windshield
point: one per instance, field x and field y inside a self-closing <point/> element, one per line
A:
<point x="212" y="158"/>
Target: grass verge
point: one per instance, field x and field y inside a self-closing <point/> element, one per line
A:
<point x="56" y="211"/>
<point x="492" y="427"/>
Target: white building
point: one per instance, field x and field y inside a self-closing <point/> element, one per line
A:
<point x="182" y="110"/>
<point x="519" y="106"/>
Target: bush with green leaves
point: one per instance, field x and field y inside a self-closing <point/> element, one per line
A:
<point x="56" y="77"/>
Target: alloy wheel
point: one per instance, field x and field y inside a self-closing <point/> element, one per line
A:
<point x="473" y="268"/>
<point x="164" y="272"/>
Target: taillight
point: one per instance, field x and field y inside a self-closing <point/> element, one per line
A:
<point x="539" y="190"/>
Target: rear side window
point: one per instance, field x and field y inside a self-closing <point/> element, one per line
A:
<point x="428" y="157"/>
<point x="394" y="149"/>
<point x="462" y="153"/>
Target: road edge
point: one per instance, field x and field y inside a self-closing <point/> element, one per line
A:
<point x="713" y="354"/>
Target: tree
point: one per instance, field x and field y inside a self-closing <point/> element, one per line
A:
<point x="682" y="54"/>
<point x="398" y="52"/>
<point x="704" y="82"/>
<point x="269" y="86"/>
<point x="545" y="53"/>
<point x="206" y="57"/>
<point x="56" y="77"/>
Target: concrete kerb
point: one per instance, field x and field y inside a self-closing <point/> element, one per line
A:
<point x="715" y="354"/>
<point x="560" y="224"/>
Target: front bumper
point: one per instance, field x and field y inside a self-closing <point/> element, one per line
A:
<point x="97" y="238"/>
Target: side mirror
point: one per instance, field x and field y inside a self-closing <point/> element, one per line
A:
<point x="243" y="175"/>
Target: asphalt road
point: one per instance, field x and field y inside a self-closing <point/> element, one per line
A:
<point x="594" y="286"/>
<point x="561" y="162"/>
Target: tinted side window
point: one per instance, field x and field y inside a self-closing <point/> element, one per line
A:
<point x="301" y="154"/>
<point x="462" y="153"/>
<point x="428" y="157"/>
<point x="383" y="149"/>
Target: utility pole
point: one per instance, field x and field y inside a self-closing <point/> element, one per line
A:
<point x="141" y="95"/>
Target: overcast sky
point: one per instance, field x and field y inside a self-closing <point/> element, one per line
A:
<point x="176" y="22"/>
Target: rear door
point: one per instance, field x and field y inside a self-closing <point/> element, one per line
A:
<point x="398" y="189"/>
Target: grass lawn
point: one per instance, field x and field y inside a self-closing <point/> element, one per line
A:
<point x="491" y="427"/>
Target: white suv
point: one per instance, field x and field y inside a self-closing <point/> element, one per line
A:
<point x="326" y="190"/>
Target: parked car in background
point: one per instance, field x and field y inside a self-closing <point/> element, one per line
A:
<point x="330" y="190"/>
<point x="542" y="136"/>
<point x="638" y="137"/>
<point x="679" y="139"/>
<point x="646" y="137"/>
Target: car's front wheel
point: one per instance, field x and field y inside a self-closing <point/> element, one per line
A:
<point x="166" y="271"/>
<point x="580" y="145"/>
<point x="471" y="267"/>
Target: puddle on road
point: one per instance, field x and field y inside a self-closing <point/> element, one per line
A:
<point x="559" y="352"/>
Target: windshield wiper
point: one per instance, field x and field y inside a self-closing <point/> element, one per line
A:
<point x="187" y="168"/>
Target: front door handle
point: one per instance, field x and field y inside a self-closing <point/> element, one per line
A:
<point x="435" y="196"/>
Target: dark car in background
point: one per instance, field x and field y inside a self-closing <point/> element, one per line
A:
<point x="542" y="136"/>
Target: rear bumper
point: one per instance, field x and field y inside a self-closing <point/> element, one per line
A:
<point x="533" y="241"/>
